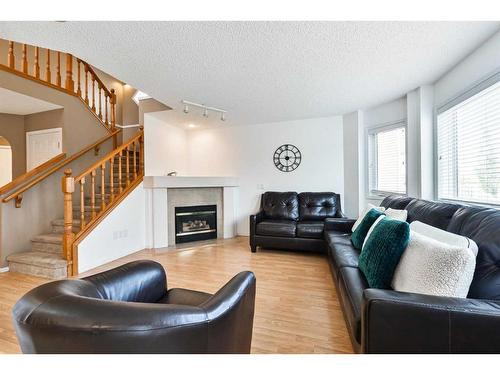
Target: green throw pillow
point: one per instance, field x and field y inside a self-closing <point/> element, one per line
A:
<point x="358" y="236"/>
<point x="383" y="249"/>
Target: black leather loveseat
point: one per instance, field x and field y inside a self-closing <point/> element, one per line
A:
<point x="386" y="321"/>
<point x="129" y="310"/>
<point x="287" y="220"/>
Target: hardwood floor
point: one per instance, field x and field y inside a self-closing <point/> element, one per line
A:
<point x="297" y="310"/>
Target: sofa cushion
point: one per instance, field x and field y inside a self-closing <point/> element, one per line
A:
<point x="280" y="206"/>
<point x="433" y="213"/>
<point x="398" y="202"/>
<point x="318" y="206"/>
<point x="341" y="251"/>
<point x="352" y="283"/>
<point x="481" y="225"/>
<point x="382" y="252"/>
<point x="359" y="234"/>
<point x="310" y="229"/>
<point x="278" y="228"/>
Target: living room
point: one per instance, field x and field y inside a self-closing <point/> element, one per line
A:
<point x="261" y="181"/>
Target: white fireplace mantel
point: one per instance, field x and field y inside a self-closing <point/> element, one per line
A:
<point x="168" y="182"/>
<point x="159" y="212"/>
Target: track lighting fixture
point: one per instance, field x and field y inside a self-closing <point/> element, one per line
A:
<point x="205" y="108"/>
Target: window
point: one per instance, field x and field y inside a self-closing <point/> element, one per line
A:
<point x="468" y="148"/>
<point x="387" y="159"/>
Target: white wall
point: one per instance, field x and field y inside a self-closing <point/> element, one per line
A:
<point x="247" y="152"/>
<point x="165" y="147"/>
<point x="479" y="64"/>
<point x="121" y="233"/>
<point x="5" y="165"/>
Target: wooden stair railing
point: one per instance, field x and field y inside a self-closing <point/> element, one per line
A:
<point x="23" y="183"/>
<point x="97" y="190"/>
<point x="100" y="100"/>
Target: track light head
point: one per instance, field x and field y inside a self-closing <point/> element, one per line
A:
<point x="223" y="117"/>
<point x="186" y="108"/>
<point x="205" y="112"/>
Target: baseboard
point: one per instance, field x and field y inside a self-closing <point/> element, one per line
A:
<point x="5" y="269"/>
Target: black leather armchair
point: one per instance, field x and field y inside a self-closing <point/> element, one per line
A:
<point x="129" y="310"/>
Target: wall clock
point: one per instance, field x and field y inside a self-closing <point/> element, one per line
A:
<point x="287" y="158"/>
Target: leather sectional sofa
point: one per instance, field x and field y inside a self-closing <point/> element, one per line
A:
<point x="386" y="321"/>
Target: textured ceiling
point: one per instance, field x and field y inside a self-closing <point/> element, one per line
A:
<point x="265" y="71"/>
<point x="15" y="103"/>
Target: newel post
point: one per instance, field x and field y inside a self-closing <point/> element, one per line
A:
<point x="68" y="187"/>
<point x="112" y="101"/>
<point x="141" y="150"/>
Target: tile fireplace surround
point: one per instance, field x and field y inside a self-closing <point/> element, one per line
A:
<point x="164" y="193"/>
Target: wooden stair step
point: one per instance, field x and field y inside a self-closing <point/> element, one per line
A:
<point x="47" y="243"/>
<point x="38" y="263"/>
<point x="58" y="225"/>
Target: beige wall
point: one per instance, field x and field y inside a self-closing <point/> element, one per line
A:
<point x="44" y="120"/>
<point x="12" y="129"/>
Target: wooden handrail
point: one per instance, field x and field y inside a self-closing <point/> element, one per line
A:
<point x="68" y="84"/>
<point x="17" y="194"/>
<point x="26" y="176"/>
<point x="88" y="193"/>
<point x="109" y="156"/>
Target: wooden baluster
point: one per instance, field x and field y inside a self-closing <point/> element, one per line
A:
<point x="70" y="84"/>
<point x="92" y="193"/>
<point x="120" y="188"/>
<point x="25" y="59"/>
<point x="135" y="164"/>
<point x="127" y="163"/>
<point x="11" y="60"/>
<point x="99" y="89"/>
<point x="68" y="187"/>
<point x="48" y="77"/>
<point x="58" y="70"/>
<point x="79" y="89"/>
<point x="86" y="84"/>
<point x="82" y="204"/>
<point x="93" y="91"/>
<point x="112" y="179"/>
<point x="36" y="66"/>
<point x="103" y="192"/>
<point x="106" y="108"/>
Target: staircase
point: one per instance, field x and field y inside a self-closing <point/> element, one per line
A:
<point x="49" y="257"/>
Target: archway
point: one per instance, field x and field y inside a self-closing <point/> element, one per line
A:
<point x="5" y="161"/>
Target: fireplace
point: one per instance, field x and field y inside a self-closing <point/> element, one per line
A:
<point x="195" y="223"/>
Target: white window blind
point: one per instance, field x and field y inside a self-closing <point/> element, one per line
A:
<point x="468" y="146"/>
<point x="387" y="159"/>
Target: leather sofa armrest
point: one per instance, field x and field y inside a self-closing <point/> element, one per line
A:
<point x="254" y="220"/>
<point x="396" y="322"/>
<point x="339" y="224"/>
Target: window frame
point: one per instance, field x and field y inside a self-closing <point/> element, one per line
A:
<point x="371" y="131"/>
<point x="464" y="95"/>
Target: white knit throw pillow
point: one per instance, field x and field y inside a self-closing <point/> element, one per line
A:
<point x="431" y="267"/>
<point x="401" y="215"/>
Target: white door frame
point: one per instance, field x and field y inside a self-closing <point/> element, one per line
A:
<point x="38" y="132"/>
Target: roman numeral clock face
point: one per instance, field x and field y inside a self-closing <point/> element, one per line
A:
<point x="287" y="158"/>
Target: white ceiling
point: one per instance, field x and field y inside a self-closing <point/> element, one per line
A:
<point x="265" y="71"/>
<point x="14" y="103"/>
